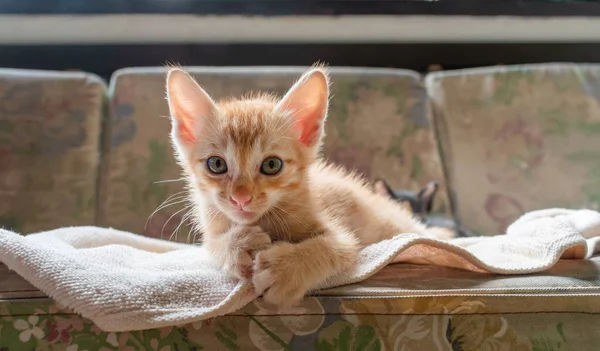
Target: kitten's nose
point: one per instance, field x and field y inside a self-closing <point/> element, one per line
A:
<point x="241" y="199"/>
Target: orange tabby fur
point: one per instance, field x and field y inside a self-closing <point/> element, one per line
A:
<point x="300" y="226"/>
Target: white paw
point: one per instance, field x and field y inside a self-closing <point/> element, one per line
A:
<point x="244" y="245"/>
<point x="278" y="276"/>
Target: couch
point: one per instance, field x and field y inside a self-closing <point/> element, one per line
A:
<point x="500" y="141"/>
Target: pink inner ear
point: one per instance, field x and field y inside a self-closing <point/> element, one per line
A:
<point x="185" y="127"/>
<point x="307" y="101"/>
<point x="310" y="131"/>
<point x="189" y="105"/>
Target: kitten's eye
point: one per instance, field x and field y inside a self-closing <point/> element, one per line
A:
<point x="271" y="166"/>
<point x="216" y="165"/>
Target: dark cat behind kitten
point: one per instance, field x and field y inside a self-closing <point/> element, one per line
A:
<point x="421" y="204"/>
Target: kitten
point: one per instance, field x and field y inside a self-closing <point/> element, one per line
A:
<point x="421" y="204"/>
<point x="270" y="209"/>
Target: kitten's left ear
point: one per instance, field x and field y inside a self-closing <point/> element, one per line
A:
<point x="307" y="102"/>
<point x="190" y="106"/>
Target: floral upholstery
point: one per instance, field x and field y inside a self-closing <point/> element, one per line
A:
<point x="49" y="155"/>
<point x="378" y="125"/>
<point x="403" y="307"/>
<point x="518" y="138"/>
<point x="511" y="139"/>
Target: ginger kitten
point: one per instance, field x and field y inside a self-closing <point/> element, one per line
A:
<point x="269" y="208"/>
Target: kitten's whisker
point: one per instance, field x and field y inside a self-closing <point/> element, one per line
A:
<point x="197" y="230"/>
<point x="168" y="220"/>
<point x="274" y="220"/>
<point x="189" y="222"/>
<point x="184" y="218"/>
<point x="190" y="238"/>
<point x="177" y="200"/>
<point x="281" y="221"/>
<point x="195" y="225"/>
<point x="174" y="195"/>
<point x="285" y="226"/>
<point x="194" y="236"/>
<point x="169" y="180"/>
<point x="211" y="215"/>
<point x="164" y="205"/>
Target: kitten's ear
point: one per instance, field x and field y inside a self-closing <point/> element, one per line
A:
<point x="307" y="102"/>
<point x="189" y="105"/>
<point x="427" y="195"/>
<point x="383" y="188"/>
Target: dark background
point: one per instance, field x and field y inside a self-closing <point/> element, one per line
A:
<point x="105" y="59"/>
<point x="307" y="7"/>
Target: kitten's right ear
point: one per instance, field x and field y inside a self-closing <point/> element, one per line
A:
<point x="427" y="195"/>
<point x="383" y="188"/>
<point x="189" y="105"/>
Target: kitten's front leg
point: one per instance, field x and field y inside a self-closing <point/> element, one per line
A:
<point x="285" y="272"/>
<point x="235" y="249"/>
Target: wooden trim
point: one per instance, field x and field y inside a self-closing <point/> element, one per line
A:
<point x="12" y="286"/>
<point x="367" y="29"/>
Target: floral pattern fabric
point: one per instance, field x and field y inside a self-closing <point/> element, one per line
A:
<point x="416" y="323"/>
<point x="517" y="139"/>
<point x="49" y="148"/>
<point x="402" y="307"/>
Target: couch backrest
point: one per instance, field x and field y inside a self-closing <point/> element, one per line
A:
<point x="512" y="139"/>
<point x="519" y="138"/>
<point x="49" y="148"/>
<point x="379" y="124"/>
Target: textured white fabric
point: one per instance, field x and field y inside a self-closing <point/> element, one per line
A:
<point x="123" y="282"/>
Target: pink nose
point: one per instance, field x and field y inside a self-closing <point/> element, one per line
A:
<point x="241" y="199"/>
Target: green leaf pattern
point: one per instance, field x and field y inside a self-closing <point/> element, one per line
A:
<point x="452" y="323"/>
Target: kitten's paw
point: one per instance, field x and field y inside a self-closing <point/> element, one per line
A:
<point x="245" y="243"/>
<point x="279" y="277"/>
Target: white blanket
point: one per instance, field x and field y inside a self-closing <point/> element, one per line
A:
<point x="106" y="276"/>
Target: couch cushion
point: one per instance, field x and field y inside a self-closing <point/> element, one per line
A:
<point x="520" y="138"/>
<point x="378" y="124"/>
<point x="49" y="148"/>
